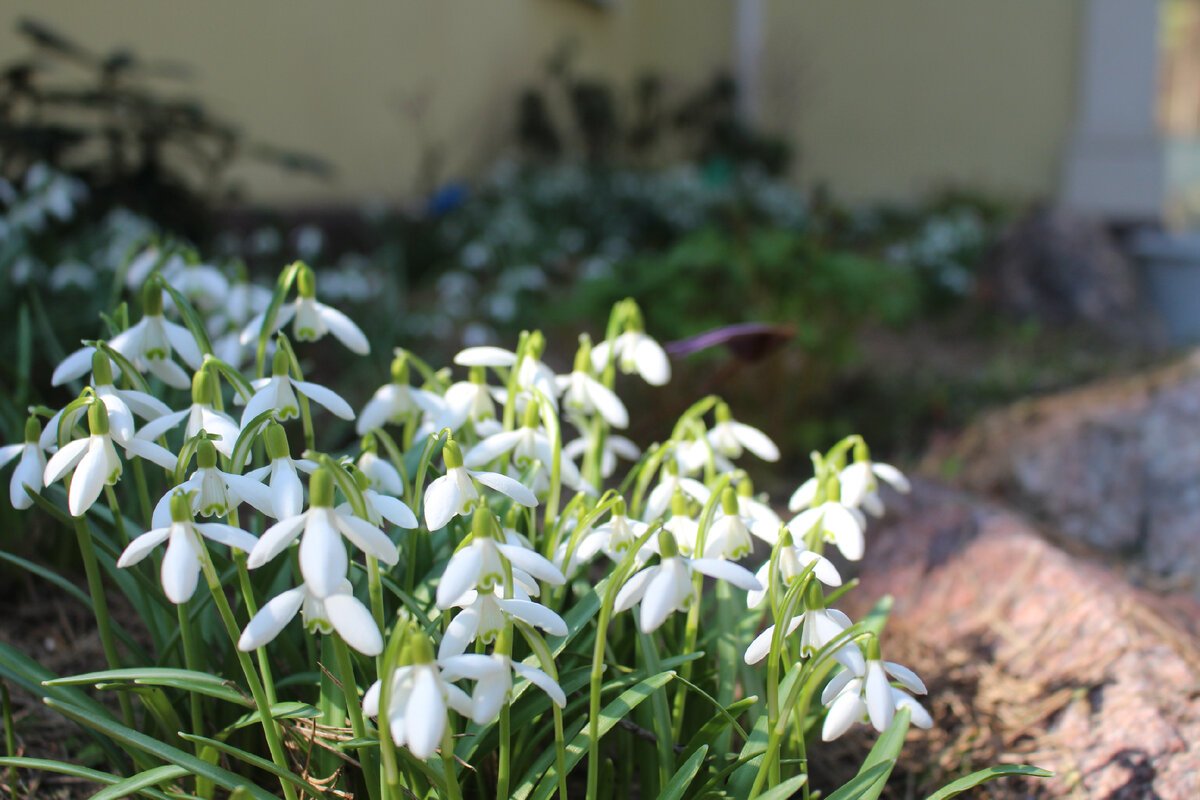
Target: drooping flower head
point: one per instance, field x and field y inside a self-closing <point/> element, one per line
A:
<point x="29" y="469"/>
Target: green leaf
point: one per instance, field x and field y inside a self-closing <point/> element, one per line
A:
<point x="784" y="790"/>
<point x="975" y="778"/>
<point x="887" y="747"/>
<point x="862" y="785"/>
<point x="284" y="710"/>
<point x="683" y="776"/>
<point x="610" y="715"/>
<point x="139" y="741"/>
<point x="718" y="723"/>
<point x="76" y="771"/>
<point x="191" y="319"/>
<point x="186" y="679"/>
<point x="143" y="780"/>
<point x="254" y="761"/>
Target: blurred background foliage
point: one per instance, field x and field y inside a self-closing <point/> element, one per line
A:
<point x="611" y="192"/>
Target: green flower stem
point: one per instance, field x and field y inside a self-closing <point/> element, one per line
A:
<point x="264" y="663"/>
<point x="118" y="517"/>
<point x="504" y="646"/>
<point x="100" y="605"/>
<point x="664" y="736"/>
<point x="143" y="493"/>
<point x="449" y="767"/>
<point x="270" y="728"/>
<point x="354" y="711"/>
<point x="191" y="660"/>
<point x="375" y="590"/>
<point x="10" y="738"/>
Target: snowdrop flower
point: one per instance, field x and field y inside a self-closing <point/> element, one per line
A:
<point x="667" y="587"/>
<point x="122" y="404"/>
<point x="149" y="345"/>
<point x="312" y="319"/>
<point x="749" y="506"/>
<point x="397" y="400"/>
<point x="485" y="614"/>
<point x="29" y="469"/>
<point x="181" y="563"/>
<point x="422" y="690"/>
<point x="614" y="446"/>
<point x="200" y="416"/>
<point x="669" y="483"/>
<point x="728" y="438"/>
<point x="527" y="444"/>
<point x="531" y="373"/>
<point x="282" y="480"/>
<point x="96" y="462"/>
<point x="819" y="626"/>
<point x="683" y="527"/>
<point x="203" y="285"/>
<point x="455" y="492"/>
<point x="214" y="493"/>
<point x="380" y="507"/>
<point x="278" y="394"/>
<point x="792" y="563"/>
<point x="860" y="484"/>
<point x="494" y="688"/>
<point x="480" y="563"/>
<point x="835" y="523"/>
<point x="466" y="400"/>
<point x="323" y="560"/>
<point x="634" y="351"/>
<point x="584" y="395"/>
<point x="341" y="612"/>
<point x="869" y="696"/>
<point x="729" y="535"/>
<point x="613" y="538"/>
<point x="804" y="495"/>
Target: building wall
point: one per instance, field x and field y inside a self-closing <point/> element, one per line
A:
<point x="334" y="78"/>
<point x="882" y="99"/>
<point x="906" y="97"/>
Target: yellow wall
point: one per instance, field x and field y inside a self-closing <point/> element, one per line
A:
<point x="902" y="97"/>
<point x="331" y="78"/>
<point x="883" y="98"/>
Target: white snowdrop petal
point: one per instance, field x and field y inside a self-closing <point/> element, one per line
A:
<point x="168" y="372"/>
<point x="287" y="492"/>
<point x="535" y="614"/>
<point x="825" y="571"/>
<point x="485" y="357"/>
<point x="151" y="452"/>
<point x="534" y="563"/>
<point x="367" y="538"/>
<point x="740" y="577"/>
<point x="75" y="365"/>
<point x="275" y="539"/>
<point x="907" y="678"/>
<point x="754" y="597"/>
<point x="90" y="476"/>
<point x="652" y="362"/>
<point x="425" y="713"/>
<point x="184" y="343"/>
<point x="142" y="546"/>
<point x="263" y="400"/>
<point x="459" y="633"/>
<point x="460" y="575"/>
<point x="803" y="496"/>
<point x="846" y="530"/>
<point x="634" y="588"/>
<point x="607" y="403"/>
<point x="835" y="686"/>
<point x="157" y="427"/>
<point x="507" y="486"/>
<point x="377" y="412"/>
<point x="10" y="451"/>
<point x="180" y="565"/>
<point x="323" y="561"/>
<point x="28" y="472"/>
<point x="659" y="600"/>
<point x="442" y="502"/>
<point x="325" y="397"/>
<point x="395" y="511"/>
<point x="918" y="715"/>
<point x="272" y="618"/>
<point x="67" y="457"/>
<point x="844" y="712"/>
<point x="354" y="623"/>
<point x="892" y="476"/>
<point x="879" y="697"/>
<point x="344" y="329"/>
<point x="490" y="694"/>
<point x="492" y="447"/>
<point x="542" y="681"/>
<point x="756" y="441"/>
<point x="227" y="535"/>
<point x="760" y="647"/>
<point x="253" y="492"/>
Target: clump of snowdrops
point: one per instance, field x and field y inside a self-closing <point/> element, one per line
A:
<point x="489" y="604"/>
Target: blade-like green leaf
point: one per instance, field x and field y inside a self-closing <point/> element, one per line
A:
<point x="784" y="790"/>
<point x="862" y="783"/>
<point x="133" y="739"/>
<point x="255" y="761"/>
<point x="975" y="778"/>
<point x="191" y="319"/>
<point x="143" y="780"/>
<point x="283" y="710"/>
<point x="76" y="771"/>
<point x="188" y="680"/>
<point x="719" y="722"/>
<point x="683" y="776"/>
<point x="610" y="715"/>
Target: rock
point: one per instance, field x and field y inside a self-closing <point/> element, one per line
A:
<point x="1114" y="467"/>
<point x="1033" y="655"/>
<point x="1063" y="268"/>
